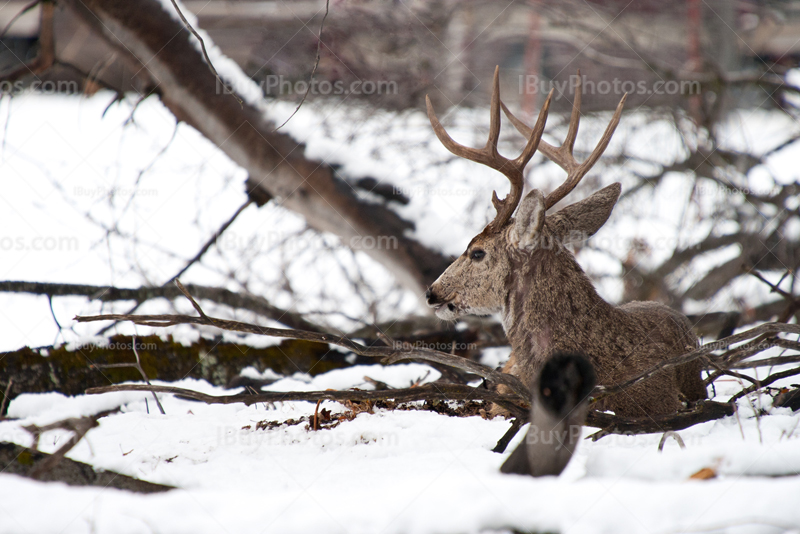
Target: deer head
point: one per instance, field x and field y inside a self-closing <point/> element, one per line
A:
<point x="476" y="283"/>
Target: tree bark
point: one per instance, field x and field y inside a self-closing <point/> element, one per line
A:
<point x="72" y="371"/>
<point x="159" y="49"/>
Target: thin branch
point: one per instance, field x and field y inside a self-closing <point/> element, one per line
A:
<point x="5" y="398"/>
<point x="428" y="392"/>
<point x="516" y="424"/>
<point x="705" y="350"/>
<point x="18" y="15"/>
<point x="195" y="305"/>
<point x="313" y="71"/>
<point x="210" y="242"/>
<point x="387" y="354"/>
<point x="199" y="254"/>
<point x="766" y="382"/>
<point x="225" y="297"/>
<point x="141" y="371"/>
<point x="700" y="413"/>
<point x="205" y="53"/>
<point x="79" y="426"/>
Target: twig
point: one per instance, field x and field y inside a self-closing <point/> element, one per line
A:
<point x="675" y="435"/>
<point x="516" y="424"/>
<point x="138" y="367"/>
<point x="217" y="295"/>
<point x="141" y="370"/>
<point x="18" y="15"/>
<point x="766" y="382"/>
<point x="705" y="350"/>
<point x="210" y="242"/>
<point x="313" y="71"/>
<point x="431" y="392"/>
<point x="773" y="287"/>
<point x="205" y="53"/>
<point x="79" y="426"/>
<point x="195" y="305"/>
<point x="388" y="354"/>
<point x="703" y="411"/>
<point x="5" y="398"/>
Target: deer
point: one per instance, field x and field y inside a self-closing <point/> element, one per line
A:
<point x="521" y="267"/>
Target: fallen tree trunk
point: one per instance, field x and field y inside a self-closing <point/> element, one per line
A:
<point x="17" y="460"/>
<point x="72" y="371"/>
<point x="160" y="50"/>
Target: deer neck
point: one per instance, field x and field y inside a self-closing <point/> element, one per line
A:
<point x="552" y="305"/>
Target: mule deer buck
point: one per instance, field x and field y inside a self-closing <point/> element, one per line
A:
<point x="521" y="268"/>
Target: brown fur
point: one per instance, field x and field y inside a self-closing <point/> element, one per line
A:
<point x="549" y="305"/>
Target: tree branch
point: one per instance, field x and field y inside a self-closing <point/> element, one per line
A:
<point x="217" y="295"/>
<point x="387" y="354"/>
<point x="427" y="392"/>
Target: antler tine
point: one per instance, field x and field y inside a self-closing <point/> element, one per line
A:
<point x="575" y="175"/>
<point x="489" y="156"/>
<point x="513" y="170"/>
<point x="535" y="135"/>
<point x="494" y="115"/>
<point x="574" y="118"/>
<point x="472" y="154"/>
<point x="562" y="156"/>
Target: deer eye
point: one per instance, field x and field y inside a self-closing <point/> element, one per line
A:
<point x="477" y="255"/>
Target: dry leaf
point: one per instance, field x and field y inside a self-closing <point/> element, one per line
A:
<point x="704" y="474"/>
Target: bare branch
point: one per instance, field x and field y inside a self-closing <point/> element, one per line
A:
<point x="217" y="295"/>
<point x="427" y="392"/>
<point x="205" y="53"/>
<point x="79" y="426"/>
<point x="700" y="413"/>
<point x="387" y="354"/>
<point x="705" y="350"/>
<point x="313" y="70"/>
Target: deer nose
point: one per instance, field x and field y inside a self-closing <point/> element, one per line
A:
<point x="430" y="296"/>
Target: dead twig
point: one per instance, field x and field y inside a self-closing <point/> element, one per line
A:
<point x="387" y="354"/>
<point x="79" y="426"/>
<point x="16" y="17"/>
<point x="5" y="398"/>
<point x="313" y="71"/>
<point x="516" y="424"/>
<point x="246" y="301"/>
<point x="704" y="351"/>
<point x="138" y="367"/>
<point x="205" y="53"/>
<point x="446" y="392"/>
<point x="703" y="411"/>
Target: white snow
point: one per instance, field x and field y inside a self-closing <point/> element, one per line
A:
<point x="402" y="471"/>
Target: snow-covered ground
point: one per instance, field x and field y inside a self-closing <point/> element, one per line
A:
<point x="401" y="471"/>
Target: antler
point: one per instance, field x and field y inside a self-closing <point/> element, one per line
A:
<point x="489" y="156"/>
<point x="562" y="156"/>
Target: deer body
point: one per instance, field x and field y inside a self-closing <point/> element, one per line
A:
<point x="552" y="306"/>
<point x="521" y="268"/>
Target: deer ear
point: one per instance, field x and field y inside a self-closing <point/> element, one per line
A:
<point x="529" y="220"/>
<point x="580" y="221"/>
